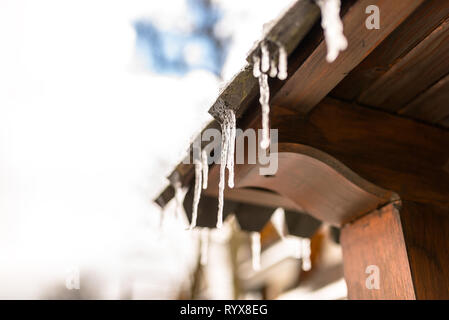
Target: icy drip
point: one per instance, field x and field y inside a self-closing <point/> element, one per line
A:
<point x="255" y="250"/>
<point x="197" y="191"/>
<point x="305" y="254"/>
<point x="205" y="167"/>
<point x="231" y="149"/>
<point x="264" y="102"/>
<point x="204" y="246"/>
<point x="333" y="28"/>
<point x="282" y="63"/>
<point x="268" y="64"/>
<point x="226" y="159"/>
<point x="178" y="198"/>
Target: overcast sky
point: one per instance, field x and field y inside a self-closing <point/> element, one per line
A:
<point x="88" y="133"/>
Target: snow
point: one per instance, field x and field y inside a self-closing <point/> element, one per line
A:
<point x="333" y="28"/>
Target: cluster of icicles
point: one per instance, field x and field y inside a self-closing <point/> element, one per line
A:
<point x="269" y="60"/>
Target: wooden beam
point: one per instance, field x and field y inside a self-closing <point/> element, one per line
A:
<point x="402" y="248"/>
<point x="316" y="182"/>
<point x="315" y="78"/>
<point x="395" y="153"/>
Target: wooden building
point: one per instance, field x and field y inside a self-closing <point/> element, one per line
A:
<point x="363" y="141"/>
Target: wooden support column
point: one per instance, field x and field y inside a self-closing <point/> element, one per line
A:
<point x="408" y="243"/>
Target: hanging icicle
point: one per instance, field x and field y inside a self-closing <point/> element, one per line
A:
<point x="231" y="149"/>
<point x="226" y="158"/>
<point x="282" y="63"/>
<point x="255" y="250"/>
<point x="205" y="167"/>
<point x="305" y="254"/>
<point x="178" y="196"/>
<point x="333" y="28"/>
<point x="204" y="246"/>
<point x="197" y="191"/>
<point x="264" y="102"/>
<point x="266" y="64"/>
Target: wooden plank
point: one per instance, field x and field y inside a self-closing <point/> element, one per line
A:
<point x="395" y="153"/>
<point x="413" y="74"/>
<point x="407" y="242"/>
<point x="426" y="232"/>
<point x="377" y="240"/>
<point x="316" y="78"/>
<point x="432" y="105"/>
<point x="414" y="29"/>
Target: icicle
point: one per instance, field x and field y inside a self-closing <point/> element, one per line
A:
<point x="231" y="148"/>
<point x="205" y="167"/>
<point x="273" y="68"/>
<point x="197" y="192"/>
<point x="265" y="58"/>
<point x="225" y="132"/>
<point x="178" y="197"/>
<point x="262" y="67"/>
<point x="204" y="246"/>
<point x="264" y="102"/>
<point x="255" y="250"/>
<point x="282" y="63"/>
<point x="333" y="28"/>
<point x="305" y="254"/>
<point x="228" y="132"/>
<point x="256" y="66"/>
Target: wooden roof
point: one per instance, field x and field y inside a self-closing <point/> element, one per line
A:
<point x="375" y="120"/>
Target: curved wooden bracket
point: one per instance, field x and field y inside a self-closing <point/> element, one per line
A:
<point x="316" y="182"/>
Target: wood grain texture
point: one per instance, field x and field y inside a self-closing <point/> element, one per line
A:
<point x="432" y="105"/>
<point x="410" y="33"/>
<point x="423" y="66"/>
<point x="377" y="239"/>
<point x="316" y="78"/>
<point x="395" y="153"/>
<point x="426" y="233"/>
<point x="408" y="242"/>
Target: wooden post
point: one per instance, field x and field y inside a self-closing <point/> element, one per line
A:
<point x="398" y="252"/>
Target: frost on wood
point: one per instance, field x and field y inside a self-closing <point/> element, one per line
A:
<point x="228" y="131"/>
<point x="197" y="191"/>
<point x="269" y="60"/>
<point x="204" y="246"/>
<point x="255" y="250"/>
<point x="333" y="28"/>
